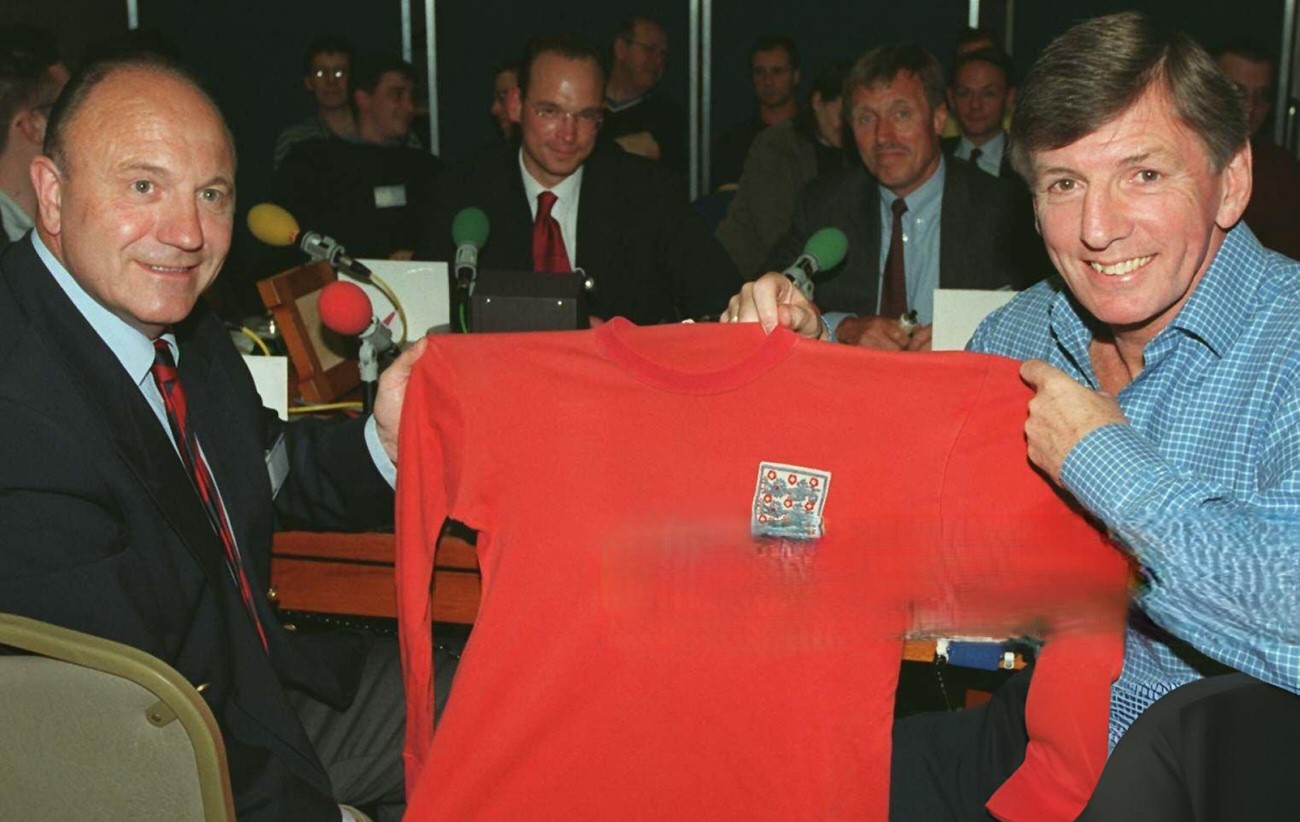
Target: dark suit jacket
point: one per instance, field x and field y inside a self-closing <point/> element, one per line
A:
<point x="330" y="186"/>
<point x="652" y="256"/>
<point x="986" y="235"/>
<point x="101" y="530"/>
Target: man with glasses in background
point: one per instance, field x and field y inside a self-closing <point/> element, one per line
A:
<point x="1273" y="212"/>
<point x="370" y="192"/>
<point x="558" y="201"/>
<point x="31" y="77"/>
<point x="636" y="118"/>
<point x="325" y="76"/>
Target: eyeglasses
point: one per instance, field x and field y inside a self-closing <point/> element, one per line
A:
<point x="553" y="115"/>
<point x="333" y="74"/>
<point x="653" y="48"/>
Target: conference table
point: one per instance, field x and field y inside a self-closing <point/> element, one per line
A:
<point x="352" y="574"/>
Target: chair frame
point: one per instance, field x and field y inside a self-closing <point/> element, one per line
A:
<point x="177" y="698"/>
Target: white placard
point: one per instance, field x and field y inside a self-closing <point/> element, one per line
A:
<point x="959" y="311"/>
<point x="271" y="378"/>
<point x="422" y="289"/>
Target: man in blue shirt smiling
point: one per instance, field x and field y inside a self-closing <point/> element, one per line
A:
<point x="1166" y="365"/>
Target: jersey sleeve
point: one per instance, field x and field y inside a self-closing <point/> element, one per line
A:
<point x="428" y="473"/>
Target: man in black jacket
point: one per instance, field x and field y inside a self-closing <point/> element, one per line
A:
<point x="619" y="218"/>
<point x="138" y="505"/>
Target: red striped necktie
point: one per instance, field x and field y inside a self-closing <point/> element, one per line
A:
<point x="168" y="380"/>
<point x="548" y="244"/>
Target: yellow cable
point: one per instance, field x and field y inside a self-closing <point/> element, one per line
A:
<point x="258" y="341"/>
<point x="397" y="304"/>
<point x="330" y="406"/>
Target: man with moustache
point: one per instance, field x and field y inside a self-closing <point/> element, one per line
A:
<point x="1166" y="368"/>
<point x="142" y="477"/>
<point x="914" y="221"/>
<point x="559" y="201"/>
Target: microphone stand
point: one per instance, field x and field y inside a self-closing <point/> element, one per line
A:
<point x="376" y="340"/>
<point x="369" y="366"/>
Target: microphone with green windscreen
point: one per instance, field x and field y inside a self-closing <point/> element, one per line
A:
<point x="469" y="231"/>
<point x="825" y="249"/>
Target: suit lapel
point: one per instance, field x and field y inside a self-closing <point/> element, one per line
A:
<point x="514" y="243"/>
<point x="871" y="242"/>
<point x="952" y="229"/>
<point x="116" y="404"/>
<point x="596" y="208"/>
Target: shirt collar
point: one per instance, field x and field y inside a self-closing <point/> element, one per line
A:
<point x="1221" y="304"/>
<point x="563" y="190"/>
<point x="615" y="106"/>
<point x="133" y="349"/>
<point x="1215" y="313"/>
<point x="16" y="221"/>
<point x="922" y="200"/>
<point x="993" y="147"/>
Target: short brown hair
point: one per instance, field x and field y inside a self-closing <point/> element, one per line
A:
<point x="1094" y="72"/>
<point x="567" y="46"/>
<point x="881" y="65"/>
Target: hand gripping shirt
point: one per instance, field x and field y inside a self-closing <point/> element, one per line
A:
<point x="1203" y="484"/>
<point x="700" y="555"/>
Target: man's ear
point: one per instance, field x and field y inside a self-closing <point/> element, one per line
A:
<point x="1235" y="183"/>
<point x="306" y="83"/>
<point x="515" y="104"/>
<point x="1011" y="98"/>
<point x="31" y="125"/>
<point x="940" y="118"/>
<point x="47" y="181"/>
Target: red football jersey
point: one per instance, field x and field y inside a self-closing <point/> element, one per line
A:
<point x="701" y="548"/>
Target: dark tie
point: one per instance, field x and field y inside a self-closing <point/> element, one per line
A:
<point x="893" y="296"/>
<point x="548" y="244"/>
<point x="168" y="380"/>
<point x="975" y="155"/>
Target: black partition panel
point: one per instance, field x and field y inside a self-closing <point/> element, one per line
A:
<point x="474" y="36"/>
<point x="78" y="23"/>
<point x="1213" y="24"/>
<point x="823" y="31"/>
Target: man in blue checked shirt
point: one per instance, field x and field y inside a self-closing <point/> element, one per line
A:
<point x="1166" y="364"/>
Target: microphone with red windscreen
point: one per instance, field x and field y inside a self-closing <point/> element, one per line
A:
<point x="345" y="309"/>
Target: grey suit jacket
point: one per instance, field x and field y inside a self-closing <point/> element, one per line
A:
<point x="987" y="237"/>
